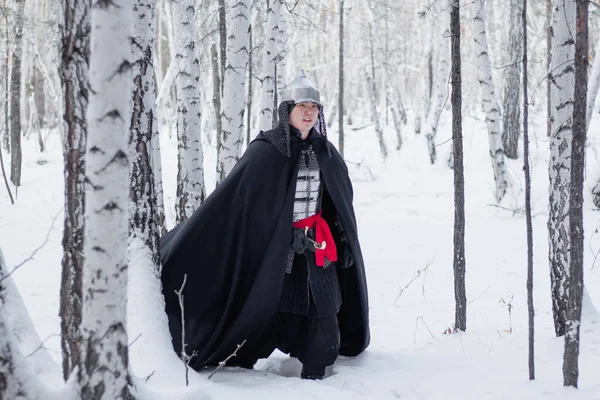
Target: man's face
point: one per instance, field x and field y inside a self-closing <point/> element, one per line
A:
<point x="304" y="116"/>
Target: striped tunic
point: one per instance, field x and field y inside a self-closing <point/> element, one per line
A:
<point x="307" y="200"/>
<point x="308" y="186"/>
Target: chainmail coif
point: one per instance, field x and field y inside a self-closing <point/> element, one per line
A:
<point x="280" y="135"/>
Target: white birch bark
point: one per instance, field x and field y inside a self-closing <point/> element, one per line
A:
<point x="234" y="104"/>
<point x="374" y="114"/>
<point x="190" y="157"/>
<point x="440" y="81"/>
<point x="16" y="117"/>
<point x="167" y="83"/>
<point x="489" y="102"/>
<point x="145" y="216"/>
<point x="158" y="181"/>
<point x="156" y="155"/>
<point x="270" y="55"/>
<point x="48" y="54"/>
<point x="398" y="112"/>
<point x="104" y="372"/>
<point x="562" y="78"/>
<point x="425" y="75"/>
<point x="284" y="68"/>
<point x="512" y="89"/>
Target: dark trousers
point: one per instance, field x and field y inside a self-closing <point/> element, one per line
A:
<point x="314" y="341"/>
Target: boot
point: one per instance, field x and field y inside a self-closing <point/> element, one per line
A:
<point x="312" y="375"/>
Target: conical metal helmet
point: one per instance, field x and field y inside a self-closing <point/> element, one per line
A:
<point x="301" y="89"/>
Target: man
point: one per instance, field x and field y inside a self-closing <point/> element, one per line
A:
<point x="271" y="258"/>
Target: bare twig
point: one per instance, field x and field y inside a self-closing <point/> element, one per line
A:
<point x="34" y="252"/>
<point x="481" y="294"/>
<point x="184" y="356"/>
<point x="222" y="363"/>
<point x="414" y="278"/>
<point x="426" y="326"/>
<point x="41" y="346"/>
<point x="12" y="201"/>
<point x="594" y="253"/>
<point x="461" y="343"/>
<point x="509" y="305"/>
<point x="134" y="340"/>
<point x="149" y="376"/>
<point x="360" y="165"/>
<point x="514" y="211"/>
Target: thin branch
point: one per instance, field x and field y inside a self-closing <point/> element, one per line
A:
<point x="414" y="278"/>
<point x="184" y="356"/>
<point x="515" y="211"/>
<point x="149" y="376"/>
<point x="426" y="326"/>
<point x="12" y="201"/>
<point x="595" y="253"/>
<point x="222" y="363"/>
<point x="41" y="346"/>
<point x="134" y="340"/>
<point x="35" y="251"/>
<point x="481" y="294"/>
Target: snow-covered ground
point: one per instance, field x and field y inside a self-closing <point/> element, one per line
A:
<point x="405" y="218"/>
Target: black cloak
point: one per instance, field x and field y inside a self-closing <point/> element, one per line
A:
<point x="234" y="250"/>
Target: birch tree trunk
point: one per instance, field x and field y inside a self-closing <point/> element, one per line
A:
<point x="15" y="95"/>
<point x="74" y="57"/>
<point x="369" y="81"/>
<point x="39" y="99"/>
<point x="281" y="66"/>
<point x="104" y="372"/>
<point x="562" y="77"/>
<point x="216" y="91"/>
<point x="163" y="46"/>
<point x="17" y="381"/>
<point x="574" y="305"/>
<point x="459" y="263"/>
<point x="528" y="221"/>
<point x="157" y="175"/>
<point x="158" y="59"/>
<point x="50" y="56"/>
<point x="250" y="88"/>
<point x="144" y="217"/>
<point x="234" y="104"/>
<point x="440" y="82"/>
<point x="548" y="65"/>
<point x="5" y="79"/>
<point x="398" y="113"/>
<point x="270" y="55"/>
<point x="190" y="157"/>
<point x="512" y="89"/>
<point x="222" y="39"/>
<point x="426" y="76"/>
<point x="489" y="102"/>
